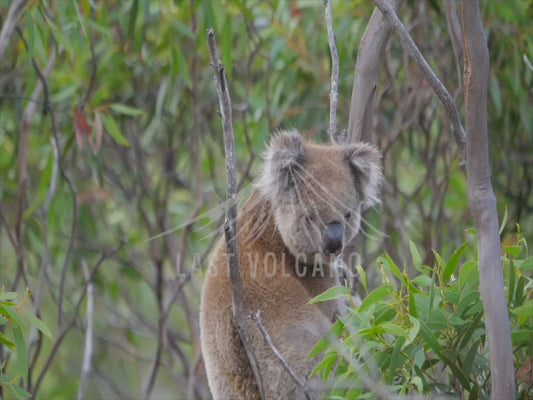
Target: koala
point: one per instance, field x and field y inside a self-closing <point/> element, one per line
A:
<point x="304" y="211"/>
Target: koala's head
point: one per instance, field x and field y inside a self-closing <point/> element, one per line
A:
<point x="317" y="193"/>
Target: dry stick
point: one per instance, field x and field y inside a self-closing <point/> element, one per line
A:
<point x="334" y="94"/>
<point x="366" y="74"/>
<point x="230" y="223"/>
<point x="9" y="24"/>
<point x="410" y="48"/>
<point x="257" y="318"/>
<point x="482" y="203"/>
<point x="88" y="347"/>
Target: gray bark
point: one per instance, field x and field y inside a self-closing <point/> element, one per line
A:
<point x="366" y="74"/>
<point x="482" y="203"/>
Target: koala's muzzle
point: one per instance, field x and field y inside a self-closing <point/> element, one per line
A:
<point x="333" y="238"/>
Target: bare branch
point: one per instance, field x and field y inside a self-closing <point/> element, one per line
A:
<point x="454" y="31"/>
<point x="257" y="318"/>
<point x="366" y="73"/>
<point x="88" y="348"/>
<point x="410" y="48"/>
<point x="482" y="203"/>
<point x="334" y="94"/>
<point x="9" y="24"/>
<point x="230" y="223"/>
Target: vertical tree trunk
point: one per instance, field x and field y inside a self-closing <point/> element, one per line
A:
<point x="482" y="203"/>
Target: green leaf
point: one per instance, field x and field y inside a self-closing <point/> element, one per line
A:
<point x="526" y="265"/>
<point x="333" y="293"/>
<point x="417" y="260"/>
<point x="325" y="366"/>
<point x="469" y="358"/>
<point x="469" y="274"/>
<point x="113" y="130"/>
<point x="12" y="315"/>
<point x="504" y="219"/>
<point x="21" y="352"/>
<point x="423" y="280"/>
<point x="396" y="357"/>
<point x="21" y="392"/>
<point x="523" y="312"/>
<point x="451" y="266"/>
<point x="126" y="110"/>
<point x="413" y="332"/>
<point x="513" y="250"/>
<point x="521" y="337"/>
<point x="427" y="335"/>
<point x="334" y="332"/>
<point x="519" y="294"/>
<point x="378" y="294"/>
<point x="5" y="341"/>
<point x="395" y="330"/>
<point x="362" y="275"/>
<point x="38" y="324"/>
<point x="388" y="263"/>
<point x="8" y="296"/>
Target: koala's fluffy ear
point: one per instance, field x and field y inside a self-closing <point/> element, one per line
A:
<point x="365" y="165"/>
<point x="283" y="165"/>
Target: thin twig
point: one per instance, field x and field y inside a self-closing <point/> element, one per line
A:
<point x="527" y="62"/>
<point x="410" y="48"/>
<point x="257" y="318"/>
<point x="230" y="223"/>
<point x="334" y="94"/>
<point x="88" y="348"/>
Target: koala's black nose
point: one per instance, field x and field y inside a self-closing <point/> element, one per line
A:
<point x="333" y="238"/>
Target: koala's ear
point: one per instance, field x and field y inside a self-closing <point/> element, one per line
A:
<point x="283" y="165"/>
<point x="364" y="161"/>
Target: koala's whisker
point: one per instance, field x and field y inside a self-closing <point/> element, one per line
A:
<point x="372" y="227"/>
<point x="325" y="193"/>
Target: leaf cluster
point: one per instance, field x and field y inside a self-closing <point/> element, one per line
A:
<point x="425" y="335"/>
<point x="14" y="335"/>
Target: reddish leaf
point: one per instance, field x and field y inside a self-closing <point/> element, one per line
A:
<point x="81" y="126"/>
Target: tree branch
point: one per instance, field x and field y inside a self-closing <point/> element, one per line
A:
<point x="482" y="203"/>
<point x="410" y="48"/>
<point x="230" y="223"/>
<point x="257" y="318"/>
<point x="454" y="31"/>
<point x="9" y="24"/>
<point x="334" y="136"/>
<point x="366" y="74"/>
<point x="88" y="348"/>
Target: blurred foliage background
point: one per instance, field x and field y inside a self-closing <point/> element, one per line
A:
<point x="111" y="174"/>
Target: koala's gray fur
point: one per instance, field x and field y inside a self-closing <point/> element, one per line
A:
<point x="305" y="210"/>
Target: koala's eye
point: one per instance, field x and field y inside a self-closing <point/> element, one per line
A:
<point x="348" y="215"/>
